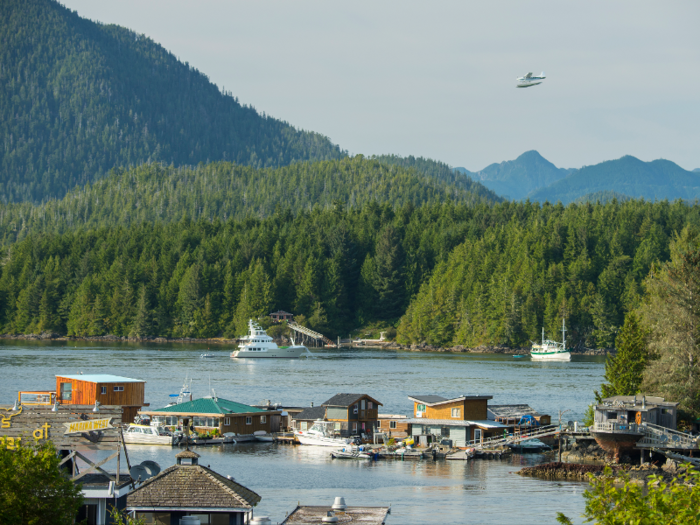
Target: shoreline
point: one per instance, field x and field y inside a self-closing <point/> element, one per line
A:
<point x="390" y="345"/>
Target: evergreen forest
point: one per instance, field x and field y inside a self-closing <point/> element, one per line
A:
<point x="446" y="273"/>
<point x="78" y="98"/>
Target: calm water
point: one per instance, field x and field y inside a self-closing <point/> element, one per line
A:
<point x="479" y="491"/>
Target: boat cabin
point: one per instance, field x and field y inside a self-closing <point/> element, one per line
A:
<point x="622" y="411"/>
<point x="207" y="414"/>
<point x="105" y="389"/>
<point x="190" y="489"/>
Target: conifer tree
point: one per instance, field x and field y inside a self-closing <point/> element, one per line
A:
<point x="624" y="370"/>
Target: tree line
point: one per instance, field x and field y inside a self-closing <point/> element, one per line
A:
<point x="445" y="273"/>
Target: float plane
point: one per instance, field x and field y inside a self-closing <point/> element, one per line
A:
<point x="528" y="80"/>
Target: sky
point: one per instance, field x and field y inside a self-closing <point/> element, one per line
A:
<point x="437" y="79"/>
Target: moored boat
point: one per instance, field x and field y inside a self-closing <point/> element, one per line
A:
<point x="551" y="350"/>
<point x="149" y="435"/>
<point x="257" y="344"/>
<point x="321" y="434"/>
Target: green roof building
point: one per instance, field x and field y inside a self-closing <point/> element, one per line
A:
<point x="210" y="413"/>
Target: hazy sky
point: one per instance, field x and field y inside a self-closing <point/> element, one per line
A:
<point x="437" y="79"/>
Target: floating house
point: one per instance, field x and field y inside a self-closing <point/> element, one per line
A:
<point x="339" y="512"/>
<point x="190" y="489"/>
<point x="215" y="413"/>
<point x="517" y="415"/>
<point x="353" y="414"/>
<point x="460" y="419"/>
<point x="88" y="389"/>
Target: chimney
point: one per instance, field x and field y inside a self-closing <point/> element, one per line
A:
<point x="312" y="404"/>
<point x="644" y="401"/>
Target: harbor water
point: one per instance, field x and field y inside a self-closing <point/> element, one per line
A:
<point x="423" y="491"/>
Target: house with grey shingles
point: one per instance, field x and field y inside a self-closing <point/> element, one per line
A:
<point x="353" y="414"/>
<point x="190" y="489"/>
<point x="209" y="413"/>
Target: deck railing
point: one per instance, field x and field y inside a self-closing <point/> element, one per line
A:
<point x="626" y="428"/>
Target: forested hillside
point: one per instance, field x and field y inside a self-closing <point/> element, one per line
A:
<point x="462" y="274"/>
<point x="534" y="263"/>
<point x="656" y="180"/>
<point x="223" y="190"/>
<point x="78" y="98"/>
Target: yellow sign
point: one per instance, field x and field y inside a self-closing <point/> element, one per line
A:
<point x="77" y="427"/>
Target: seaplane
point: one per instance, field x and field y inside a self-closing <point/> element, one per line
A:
<point x="529" y="80"/>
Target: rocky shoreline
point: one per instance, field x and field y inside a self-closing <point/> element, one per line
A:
<point x="423" y="347"/>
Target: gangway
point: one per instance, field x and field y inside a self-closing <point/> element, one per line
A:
<point x="661" y="437"/>
<point x="310" y="333"/>
<point x="515" y="437"/>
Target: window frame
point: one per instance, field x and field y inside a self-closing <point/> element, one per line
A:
<point x="118" y="388"/>
<point x="392" y="425"/>
<point x="227" y="421"/>
<point x="103" y="390"/>
<point x="457" y="412"/>
<point x="263" y="420"/>
<point x="249" y="420"/>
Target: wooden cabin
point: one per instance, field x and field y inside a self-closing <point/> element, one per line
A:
<point x="353" y="414"/>
<point x="472" y="407"/>
<point x="281" y="315"/>
<point x="106" y="389"/>
<point x="215" y="413"/>
<point x="394" y="426"/>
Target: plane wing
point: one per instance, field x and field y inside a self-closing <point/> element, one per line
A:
<point x="528" y="75"/>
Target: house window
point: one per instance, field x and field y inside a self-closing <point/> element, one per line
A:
<point x="263" y="420"/>
<point x="392" y="424"/>
<point x="421" y="408"/>
<point x="227" y="421"/>
<point x="119" y="389"/>
<point x="369" y="405"/>
<point x="66" y="391"/>
<point x="354" y="427"/>
<point x="303" y="425"/>
<point x="354" y="409"/>
<point x="248" y="420"/>
<point x="104" y="390"/>
<point x="337" y="425"/>
<point x="456" y="412"/>
<point x="379" y="424"/>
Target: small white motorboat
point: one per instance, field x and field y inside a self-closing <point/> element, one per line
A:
<point x="206" y="355"/>
<point x="149" y="435"/>
<point x="261" y="435"/>
<point x="321" y="434"/>
<point x="353" y="453"/>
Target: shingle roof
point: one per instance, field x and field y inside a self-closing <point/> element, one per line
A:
<point x="188" y="486"/>
<point x="439" y="400"/>
<point x="312" y="515"/>
<point x="312" y="413"/>
<point x="208" y="405"/>
<point x="187" y="454"/>
<point x="345" y="400"/>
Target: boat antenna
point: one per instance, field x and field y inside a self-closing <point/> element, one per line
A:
<point x="542" y="334"/>
<point x="563" y="332"/>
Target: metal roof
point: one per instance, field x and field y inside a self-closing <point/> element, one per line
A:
<point x="455" y="422"/>
<point x="345" y="400"/>
<point x="101" y="378"/>
<point x="439" y="400"/>
<point x="512" y="411"/>
<point x="208" y="405"/>
<point x="312" y="515"/>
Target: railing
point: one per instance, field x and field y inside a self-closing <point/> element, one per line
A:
<point x="625" y="428"/>
<point x="523" y="435"/>
<point x="310" y="333"/>
<point x="662" y="437"/>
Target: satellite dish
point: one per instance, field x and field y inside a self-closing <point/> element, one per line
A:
<point x="151" y="467"/>
<point x="138" y="471"/>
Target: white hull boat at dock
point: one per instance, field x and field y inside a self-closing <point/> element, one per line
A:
<point x="257" y="344"/>
<point x="149" y="435"/>
<point x="321" y="435"/>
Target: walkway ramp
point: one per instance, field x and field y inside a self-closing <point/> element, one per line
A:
<point x="664" y="438"/>
<point x="310" y="333"/>
<point x="515" y="437"/>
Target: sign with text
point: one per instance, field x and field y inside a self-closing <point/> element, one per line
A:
<point x="69" y="427"/>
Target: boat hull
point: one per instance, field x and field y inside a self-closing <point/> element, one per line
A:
<point x="319" y="441"/>
<point x="617" y="443"/>
<point x="551" y="356"/>
<point x="271" y="353"/>
<point x="149" y="440"/>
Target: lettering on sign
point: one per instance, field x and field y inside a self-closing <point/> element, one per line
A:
<point x="7" y="420"/>
<point x="78" y="427"/>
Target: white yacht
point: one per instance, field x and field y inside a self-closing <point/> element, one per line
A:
<point x="551" y="350"/>
<point x="321" y="434"/>
<point x="258" y="344"/>
<point x="149" y="435"/>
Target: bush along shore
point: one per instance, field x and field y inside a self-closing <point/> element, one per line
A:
<point x="389" y="345"/>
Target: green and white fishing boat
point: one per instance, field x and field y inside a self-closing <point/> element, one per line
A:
<point x="551" y="350"/>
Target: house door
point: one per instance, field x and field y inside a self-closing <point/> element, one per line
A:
<point x="477" y="434"/>
<point x="275" y="423"/>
